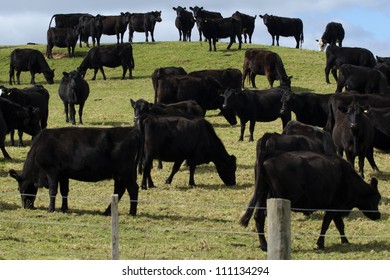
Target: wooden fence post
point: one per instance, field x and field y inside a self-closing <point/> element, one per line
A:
<point x="114" y="227"/>
<point x="279" y="229"/>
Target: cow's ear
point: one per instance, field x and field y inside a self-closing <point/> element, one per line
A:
<point x="132" y="102"/>
<point x="65" y="74"/>
<point x="261" y="16"/>
<point x="317" y="40"/>
<point x="15" y="175"/>
<point x="174" y="8"/>
<point x="374" y="183"/>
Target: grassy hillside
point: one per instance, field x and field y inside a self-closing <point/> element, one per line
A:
<point x="174" y="221"/>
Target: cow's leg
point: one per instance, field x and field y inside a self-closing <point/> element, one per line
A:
<point x="53" y="190"/>
<point x="66" y="112"/>
<point x="124" y="70"/>
<point x="334" y="73"/>
<point x="252" y="124"/>
<point x="215" y="43"/>
<point x="81" y="106"/>
<point x="370" y="158"/>
<point x="18" y="77"/>
<point x="338" y="221"/>
<point x="277" y="40"/>
<point x="146" y="174"/>
<point x="119" y="189"/>
<point x="20" y="140"/>
<point x="72" y="113"/>
<point x="252" y="77"/>
<point x="175" y="168"/>
<point x="259" y="217"/>
<point x="64" y="190"/>
<point x="325" y="225"/>
<point x="361" y="158"/>
<point x="102" y="70"/>
<point x="146" y="36"/>
<point x="273" y="40"/>
<point x="209" y="44"/>
<point x="11" y="74"/>
<point x="200" y="36"/>
<point x="32" y="78"/>
<point x="95" y="70"/>
<point x="12" y="137"/>
<point x="132" y="189"/>
<point x="192" y="175"/>
<point x="231" y="42"/>
<point x="297" y="40"/>
<point x="2" y="147"/>
<point x="242" y="131"/>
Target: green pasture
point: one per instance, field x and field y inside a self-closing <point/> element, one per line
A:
<point x="173" y="221"/>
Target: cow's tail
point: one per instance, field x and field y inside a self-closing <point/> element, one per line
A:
<point x="261" y="157"/>
<point x="52" y="20"/>
<point x="302" y="39"/>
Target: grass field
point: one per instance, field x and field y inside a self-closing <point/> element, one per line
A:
<point x="173" y="221"/>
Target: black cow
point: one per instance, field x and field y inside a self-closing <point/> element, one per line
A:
<point x="62" y="38"/>
<point x="14" y="116"/>
<point x="110" y="56"/>
<point x="184" y="22"/>
<point x="255" y="106"/>
<point x="199" y="12"/>
<point x="297" y="128"/>
<point x="354" y="134"/>
<point x="96" y="154"/>
<point x="73" y="90"/>
<point x="116" y="25"/>
<point x="264" y="62"/>
<point x="176" y="88"/>
<point x="36" y="96"/>
<point x="384" y="67"/>
<point x="143" y="22"/>
<point x="337" y="56"/>
<point x="67" y="20"/>
<point x="334" y="34"/>
<point x="282" y="26"/>
<point x="159" y="72"/>
<point x="228" y="78"/>
<point x="309" y="108"/>
<point x="175" y="139"/>
<point x="91" y="27"/>
<point x="29" y="60"/>
<point x="312" y="181"/>
<point x="247" y="25"/>
<point x="362" y="79"/>
<point x="213" y="29"/>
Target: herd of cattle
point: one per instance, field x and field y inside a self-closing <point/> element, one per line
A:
<point x="303" y="164"/>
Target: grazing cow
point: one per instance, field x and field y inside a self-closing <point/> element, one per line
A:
<point x="91" y="27"/>
<point x="175" y="139"/>
<point x="36" y="96"/>
<point x="247" y="25"/>
<point x="334" y="34"/>
<point x="82" y="154"/>
<point x="29" y="60"/>
<point x="264" y="62"/>
<point x="282" y="26"/>
<point x="203" y="90"/>
<point x="62" y="38"/>
<point x="297" y="128"/>
<point x="354" y="134"/>
<point x="220" y="28"/>
<point x="255" y="106"/>
<point x="228" y="78"/>
<point x="308" y="107"/>
<point x="184" y="22"/>
<point x="67" y="20"/>
<point x="337" y="56"/>
<point x="312" y="181"/>
<point x="73" y="90"/>
<point x="116" y="25"/>
<point x="199" y="12"/>
<point x="362" y="79"/>
<point x="14" y="116"/>
<point x="110" y="56"/>
<point x="159" y="72"/>
<point x="143" y="22"/>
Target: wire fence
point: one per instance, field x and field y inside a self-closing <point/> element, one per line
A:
<point x="107" y="228"/>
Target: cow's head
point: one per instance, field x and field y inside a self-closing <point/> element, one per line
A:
<point x="157" y="16"/>
<point x="27" y="190"/>
<point x="322" y="44"/>
<point x="140" y="107"/>
<point x="196" y="10"/>
<point x="287" y="100"/>
<point x="179" y="11"/>
<point x="228" y="109"/>
<point x="266" y="19"/>
<point x="49" y="76"/>
<point x="369" y="203"/>
<point x="285" y="81"/>
<point x="227" y="170"/>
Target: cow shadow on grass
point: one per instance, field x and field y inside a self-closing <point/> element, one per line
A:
<point x="111" y="123"/>
<point x="353" y="246"/>
<point x="5" y="206"/>
<point x="176" y="217"/>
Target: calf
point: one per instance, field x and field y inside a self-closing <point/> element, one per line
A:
<point x="308" y="107"/>
<point x="247" y="25"/>
<point x="254" y="106"/>
<point x="73" y="90"/>
<point x="213" y="29"/>
<point x="362" y="79"/>
<point x="264" y="62"/>
<point x="354" y="134"/>
<point x="184" y="22"/>
<point x="116" y="25"/>
<point x="29" y="60"/>
<point x="199" y="13"/>
<point x="337" y="56"/>
<point x="109" y="56"/>
<point x="176" y="139"/>
<point x="62" y="38"/>
<point x="320" y="182"/>
<point x="36" y="96"/>
<point x="98" y="154"/>
<point x="143" y="22"/>
<point x="282" y="26"/>
<point x="14" y="116"/>
<point x="334" y="34"/>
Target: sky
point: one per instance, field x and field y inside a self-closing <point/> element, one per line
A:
<point x="366" y="23"/>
